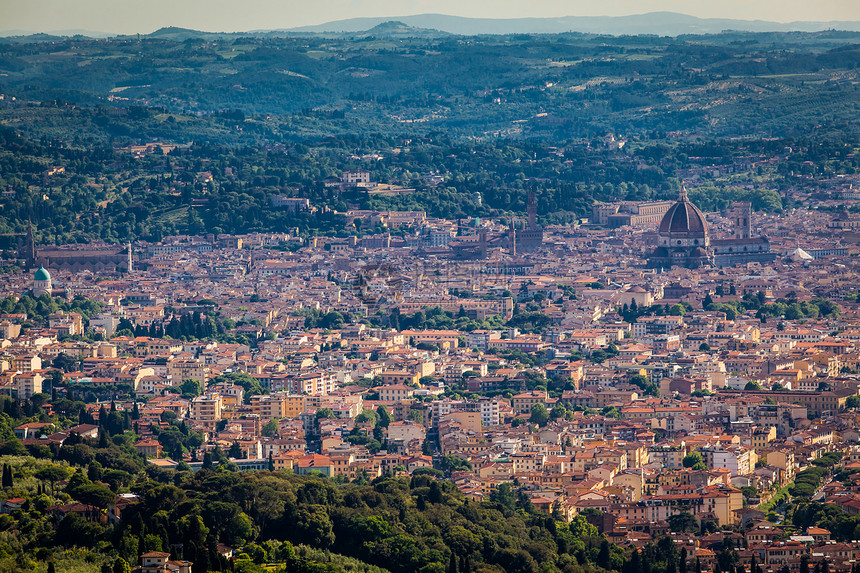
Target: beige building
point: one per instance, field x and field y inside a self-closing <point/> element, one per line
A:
<point x="522" y="403"/>
<point x="394" y="377"/>
<point x="395" y="392"/>
<point x="206" y="409"/>
<point x="28" y="384"/>
<point x="406" y="432"/>
<point x="27" y="363"/>
<point x="187" y="369"/>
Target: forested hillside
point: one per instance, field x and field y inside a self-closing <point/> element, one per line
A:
<point x="574" y="118"/>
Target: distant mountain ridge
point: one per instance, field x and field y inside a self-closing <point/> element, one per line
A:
<point x="427" y="25"/>
<point x="659" y="23"/>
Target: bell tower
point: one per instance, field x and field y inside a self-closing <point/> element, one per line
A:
<point x="741" y="218"/>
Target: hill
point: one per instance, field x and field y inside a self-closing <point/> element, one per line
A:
<point x="397" y="29"/>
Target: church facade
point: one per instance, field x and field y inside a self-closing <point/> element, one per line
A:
<point x="743" y="247"/>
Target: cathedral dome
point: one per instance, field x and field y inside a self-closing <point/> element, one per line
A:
<point x="684" y="218"/>
<point x="42" y="275"/>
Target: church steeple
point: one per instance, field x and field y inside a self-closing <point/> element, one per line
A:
<point x="30" y="246"/>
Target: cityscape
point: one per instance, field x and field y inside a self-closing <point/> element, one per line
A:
<point x="604" y="321"/>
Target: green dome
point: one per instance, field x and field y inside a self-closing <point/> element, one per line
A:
<point x="42" y="275"/>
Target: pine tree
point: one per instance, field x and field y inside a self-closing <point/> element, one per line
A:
<point x="235" y="450"/>
<point x="682" y="561"/>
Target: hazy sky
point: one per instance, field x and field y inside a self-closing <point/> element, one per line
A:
<point x="144" y="16"/>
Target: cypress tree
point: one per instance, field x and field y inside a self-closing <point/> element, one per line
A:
<point x="452" y="564"/>
<point x="603" y="556"/>
<point x="635" y="564"/>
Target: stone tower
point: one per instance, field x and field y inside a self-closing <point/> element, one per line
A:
<point x="29" y="254"/>
<point x="741" y="216"/>
<point x="532" y="210"/>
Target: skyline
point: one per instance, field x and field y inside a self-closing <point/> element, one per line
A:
<point x="125" y="17"/>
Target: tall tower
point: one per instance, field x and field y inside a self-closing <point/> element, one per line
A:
<point x="532" y="210"/>
<point x="513" y="239"/>
<point x="130" y="264"/>
<point x="30" y="246"/>
<point x="482" y="242"/>
<point x="742" y="215"/>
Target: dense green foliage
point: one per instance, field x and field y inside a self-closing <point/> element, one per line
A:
<point x="807" y="482"/>
<point x="495" y="117"/>
<point x="40" y="308"/>
<point x="300" y="523"/>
